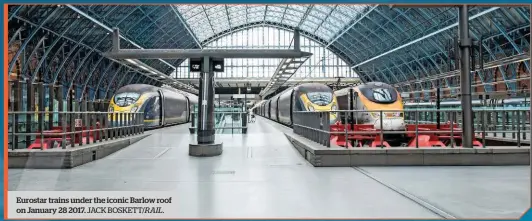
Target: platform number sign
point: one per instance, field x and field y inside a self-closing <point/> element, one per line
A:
<point x="195" y="65"/>
<point x="78" y="122"/>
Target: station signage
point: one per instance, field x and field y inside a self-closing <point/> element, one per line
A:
<point x="218" y="64"/>
<point x="196" y="64"/>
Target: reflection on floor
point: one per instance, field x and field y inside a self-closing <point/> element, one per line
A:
<point x="261" y="175"/>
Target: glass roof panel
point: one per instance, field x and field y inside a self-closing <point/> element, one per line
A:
<point x="296" y="11"/>
<point x="237" y="21"/>
<point x="255" y="9"/>
<point x="323" y="9"/>
<point x="276" y="8"/>
<point x="256" y="17"/>
<point x="300" y="8"/>
<point x="324" y="21"/>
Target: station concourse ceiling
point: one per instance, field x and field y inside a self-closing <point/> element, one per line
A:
<point x="392" y="45"/>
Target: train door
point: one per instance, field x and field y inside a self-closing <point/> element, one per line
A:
<point x="292" y="107"/>
<point x="269" y="109"/>
<point x="277" y="108"/>
<point x="189" y="109"/>
<point x="161" y="108"/>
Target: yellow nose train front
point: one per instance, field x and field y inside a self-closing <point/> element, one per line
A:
<point x="313" y="106"/>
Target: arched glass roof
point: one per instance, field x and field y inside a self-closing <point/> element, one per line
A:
<point x="323" y="64"/>
<point x="408" y="47"/>
<point x="324" y="21"/>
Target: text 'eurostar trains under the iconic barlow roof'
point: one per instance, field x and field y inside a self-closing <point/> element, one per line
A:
<point x="304" y="97"/>
<point x="373" y="97"/>
<point x="161" y="106"/>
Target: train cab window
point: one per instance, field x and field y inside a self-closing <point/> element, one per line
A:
<point x="380" y="94"/>
<point x="126" y="99"/>
<point x="320" y="98"/>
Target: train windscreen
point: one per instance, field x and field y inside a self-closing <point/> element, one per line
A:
<point x="126" y="99"/>
<point x="320" y="98"/>
<point x="382" y="95"/>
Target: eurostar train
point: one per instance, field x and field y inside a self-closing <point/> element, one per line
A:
<point x="304" y="97"/>
<point x="161" y="106"/>
<point x="373" y="96"/>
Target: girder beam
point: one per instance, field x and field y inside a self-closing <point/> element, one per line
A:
<point x="489" y="65"/>
<point x="109" y="29"/>
<point x="282" y="74"/>
<point x="118" y="53"/>
<point x="351" y="26"/>
<point x="425" y="37"/>
<point x="263" y="81"/>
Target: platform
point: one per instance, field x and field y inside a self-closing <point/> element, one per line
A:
<point x="506" y="139"/>
<point x="260" y="175"/>
<point x="335" y="156"/>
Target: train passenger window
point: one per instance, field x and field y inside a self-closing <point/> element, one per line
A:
<point x="320" y="98"/>
<point x="126" y="99"/>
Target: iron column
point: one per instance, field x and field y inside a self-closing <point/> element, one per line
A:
<point x="465" y="77"/>
<point x="206" y="104"/>
<point x="530" y="95"/>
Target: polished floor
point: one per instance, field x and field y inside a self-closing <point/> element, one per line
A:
<point x="260" y="175"/>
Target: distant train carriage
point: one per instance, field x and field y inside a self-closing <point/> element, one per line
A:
<point x="304" y="97"/>
<point x="161" y="106"/>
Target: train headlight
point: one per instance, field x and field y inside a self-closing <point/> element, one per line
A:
<point x="111" y="109"/>
<point x="310" y="108"/>
<point x="334" y="108"/>
<point x="134" y="109"/>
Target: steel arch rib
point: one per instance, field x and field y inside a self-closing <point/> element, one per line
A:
<point x="14" y="36"/>
<point x="109" y="29"/>
<point x="113" y="79"/>
<point x="383" y="74"/>
<point x="90" y="75"/>
<point x="70" y="53"/>
<point x="138" y="79"/>
<point x="154" y="22"/>
<point x="45" y="56"/>
<point x="125" y="17"/>
<point x="510" y="40"/>
<point x="131" y="79"/>
<point x="356" y="21"/>
<point x="378" y="36"/>
<point x="26" y="64"/>
<point x="503" y="72"/>
<point x="105" y="76"/>
<point x="185" y="24"/>
<point x="426" y="36"/>
<point x="161" y="37"/>
<point x="30" y="37"/>
<point x="13" y="14"/>
<point x="82" y="63"/>
<point x="56" y="54"/>
<point x="431" y="40"/>
<point x="122" y="80"/>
